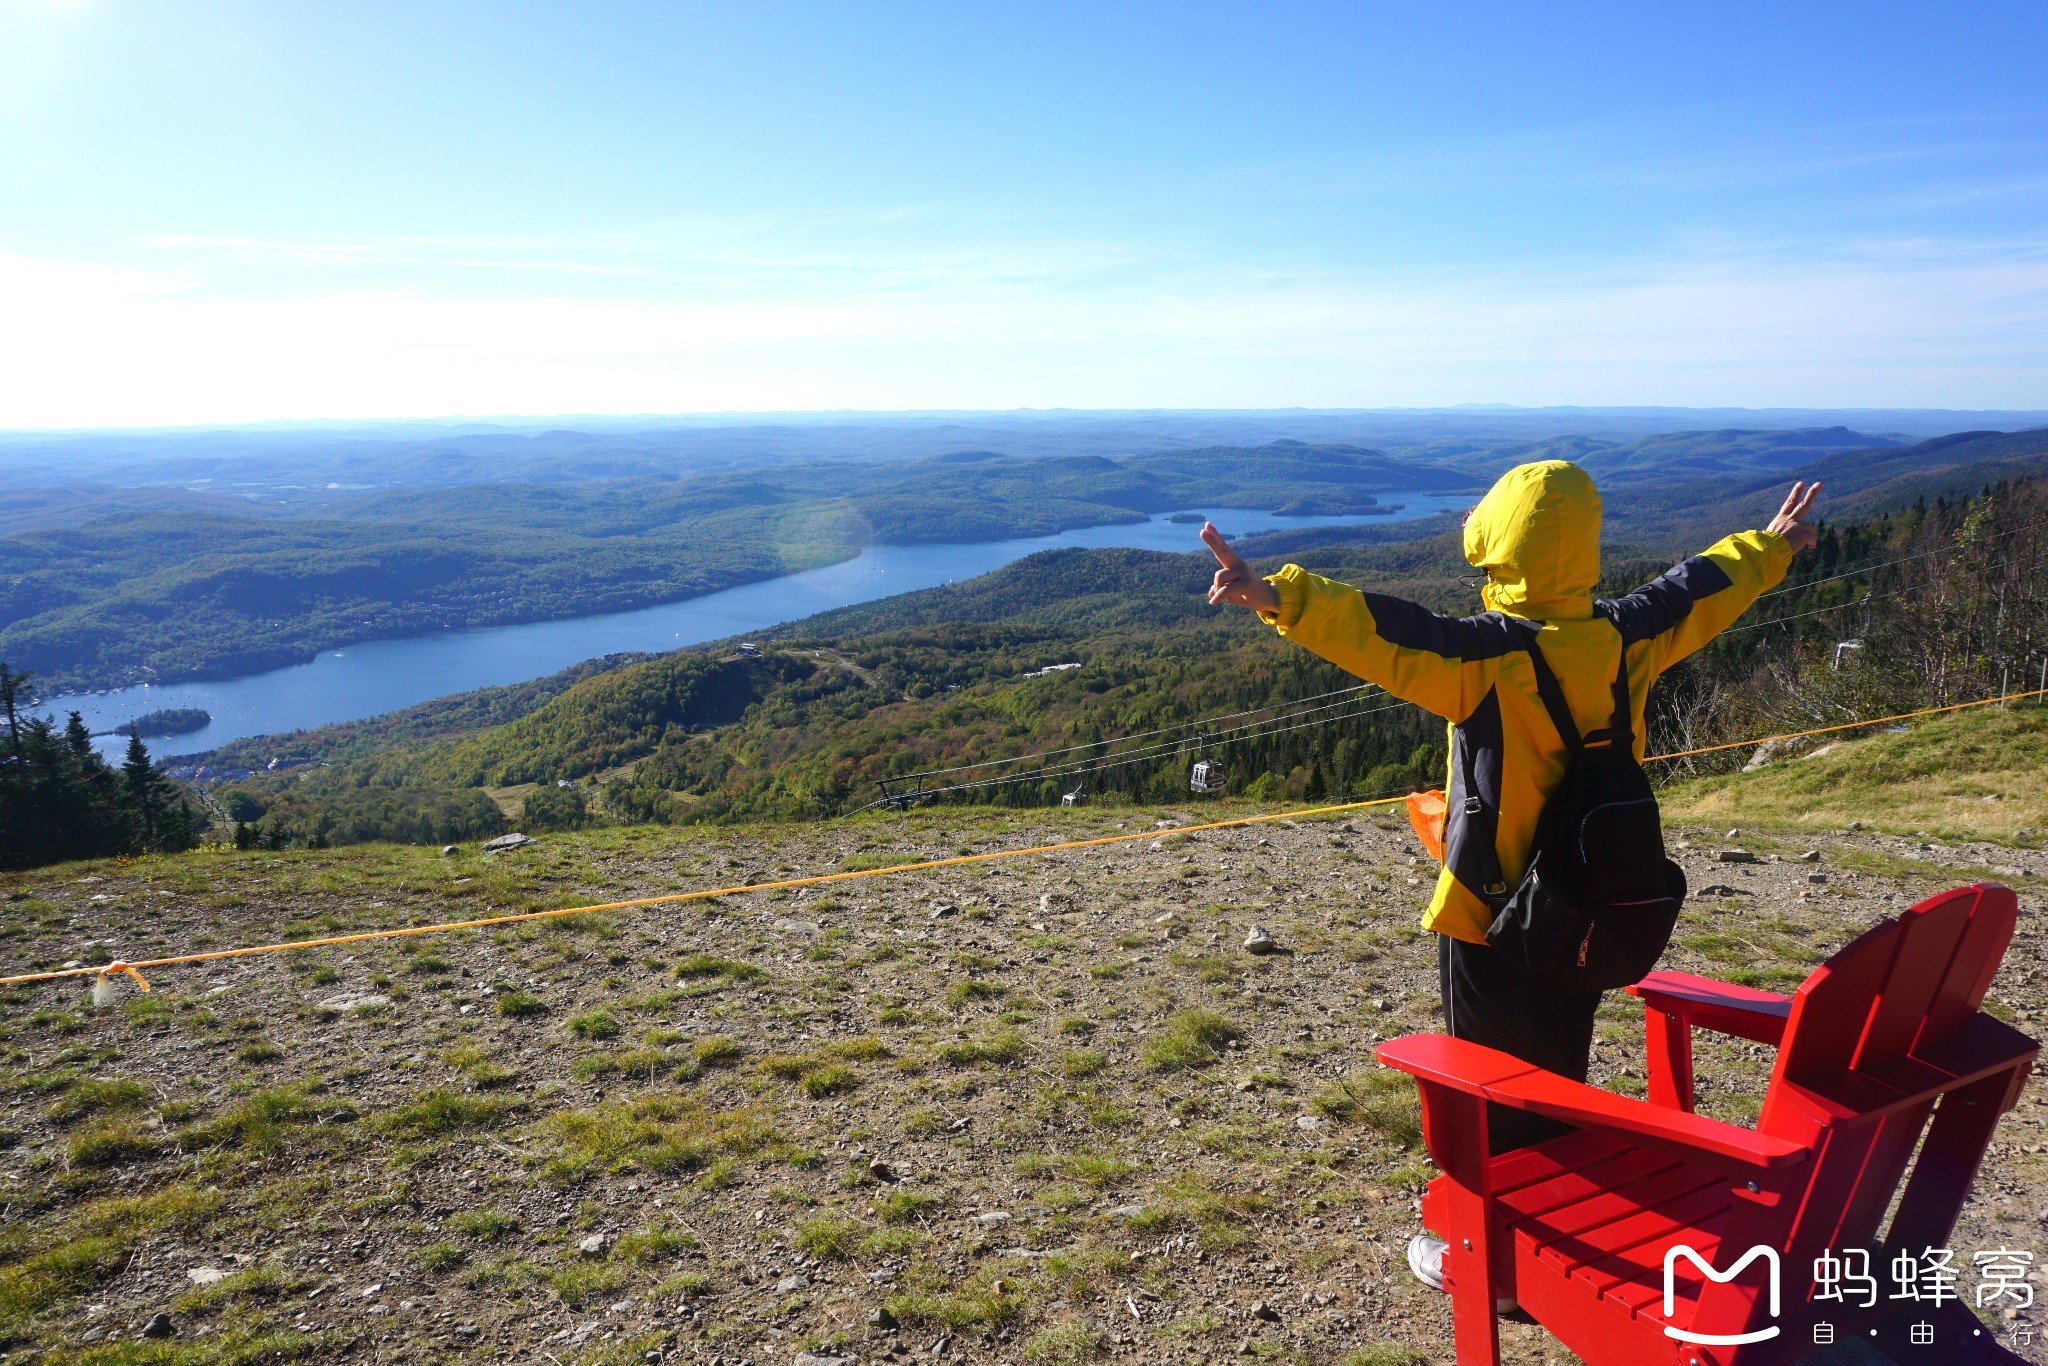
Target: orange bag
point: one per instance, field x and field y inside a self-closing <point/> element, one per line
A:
<point x="1426" y="814"/>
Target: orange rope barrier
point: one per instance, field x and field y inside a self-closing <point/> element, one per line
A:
<point x="674" y="897"/>
<point x="1850" y="725"/>
<point x="104" y="974"/>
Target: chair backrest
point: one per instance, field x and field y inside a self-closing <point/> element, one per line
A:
<point x="1901" y="987"/>
<point x="1907" y="983"/>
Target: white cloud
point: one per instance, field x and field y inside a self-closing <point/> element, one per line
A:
<point x="870" y="326"/>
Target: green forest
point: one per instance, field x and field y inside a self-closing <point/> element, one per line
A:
<point x="1945" y="596"/>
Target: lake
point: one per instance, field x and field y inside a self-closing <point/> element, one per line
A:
<point x="374" y="677"/>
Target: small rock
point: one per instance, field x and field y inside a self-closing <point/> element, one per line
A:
<point x="1810" y="856"/>
<point x="1265" y="1311"/>
<point x="1127" y="1211"/>
<point x="465" y="1330"/>
<point x="814" y="1359"/>
<point x="787" y="926"/>
<point x="355" y="1002"/>
<point x="1735" y="834"/>
<point x="882" y="1319"/>
<point x="1816" y="878"/>
<point x="596" y="1245"/>
<point x="1260" y="941"/>
<point x="994" y="1216"/>
<point x="881" y="1171"/>
<point x="1307" y="1122"/>
<point x="789" y="1285"/>
<point x="159" y="1326"/>
<point x="371" y="1292"/>
<point x="944" y="909"/>
<point x="450" y="850"/>
<point x="1734" y="856"/>
<point x="206" y="1275"/>
<point x="504" y="843"/>
<point x="1855" y="825"/>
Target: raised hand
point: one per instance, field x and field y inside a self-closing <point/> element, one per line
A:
<point x="1791" y="519"/>
<point x="1235" y="581"/>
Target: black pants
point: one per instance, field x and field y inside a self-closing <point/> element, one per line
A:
<point x="1488" y="1002"/>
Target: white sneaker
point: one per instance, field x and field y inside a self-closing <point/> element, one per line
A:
<point x="1426" y="1259"/>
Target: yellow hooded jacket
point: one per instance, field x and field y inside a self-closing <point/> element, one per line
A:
<point x="1537" y="536"/>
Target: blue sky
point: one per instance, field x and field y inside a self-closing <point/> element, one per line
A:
<point x="241" y="211"/>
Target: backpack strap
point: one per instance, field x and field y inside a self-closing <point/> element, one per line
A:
<point x="1617" y="732"/>
<point x="1552" y="695"/>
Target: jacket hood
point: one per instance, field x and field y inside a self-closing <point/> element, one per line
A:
<point x="1536" y="533"/>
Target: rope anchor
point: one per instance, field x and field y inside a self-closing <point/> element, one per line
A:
<point x="103" y="983"/>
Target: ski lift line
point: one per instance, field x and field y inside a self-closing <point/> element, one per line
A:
<point x="1154" y="750"/>
<point x="1868" y="567"/>
<point x="1154" y="754"/>
<point x="1140" y="735"/>
<point x="133" y="969"/>
<point x="1866" y="599"/>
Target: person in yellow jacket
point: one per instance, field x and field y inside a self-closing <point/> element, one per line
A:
<point x="1536" y="537"/>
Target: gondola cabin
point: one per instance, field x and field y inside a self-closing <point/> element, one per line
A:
<point x="1205" y="776"/>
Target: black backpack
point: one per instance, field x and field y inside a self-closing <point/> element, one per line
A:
<point x="1599" y="900"/>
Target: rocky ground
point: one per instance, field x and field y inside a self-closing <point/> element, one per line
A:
<point x="1043" y="1110"/>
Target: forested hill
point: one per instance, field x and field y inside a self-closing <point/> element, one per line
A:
<point x="104" y="585"/>
<point x="944" y="677"/>
<point x="1860" y="483"/>
<point x="98" y="588"/>
<point x="1949" y="599"/>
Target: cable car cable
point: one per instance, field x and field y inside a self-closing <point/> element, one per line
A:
<point x="1139" y="735"/>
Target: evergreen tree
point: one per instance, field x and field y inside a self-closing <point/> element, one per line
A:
<point x="15" y="697"/>
<point x="59" y="800"/>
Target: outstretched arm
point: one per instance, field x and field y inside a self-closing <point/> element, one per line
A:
<point x="1444" y="664"/>
<point x="1692" y="602"/>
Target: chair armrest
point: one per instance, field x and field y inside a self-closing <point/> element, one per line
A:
<point x="1703" y="1003"/>
<point x="1438" y="1059"/>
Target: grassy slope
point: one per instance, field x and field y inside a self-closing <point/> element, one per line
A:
<point x="704" y="1088"/>
<point x="1974" y="774"/>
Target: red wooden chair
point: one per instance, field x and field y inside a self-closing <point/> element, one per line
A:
<point x="1881" y="1039"/>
